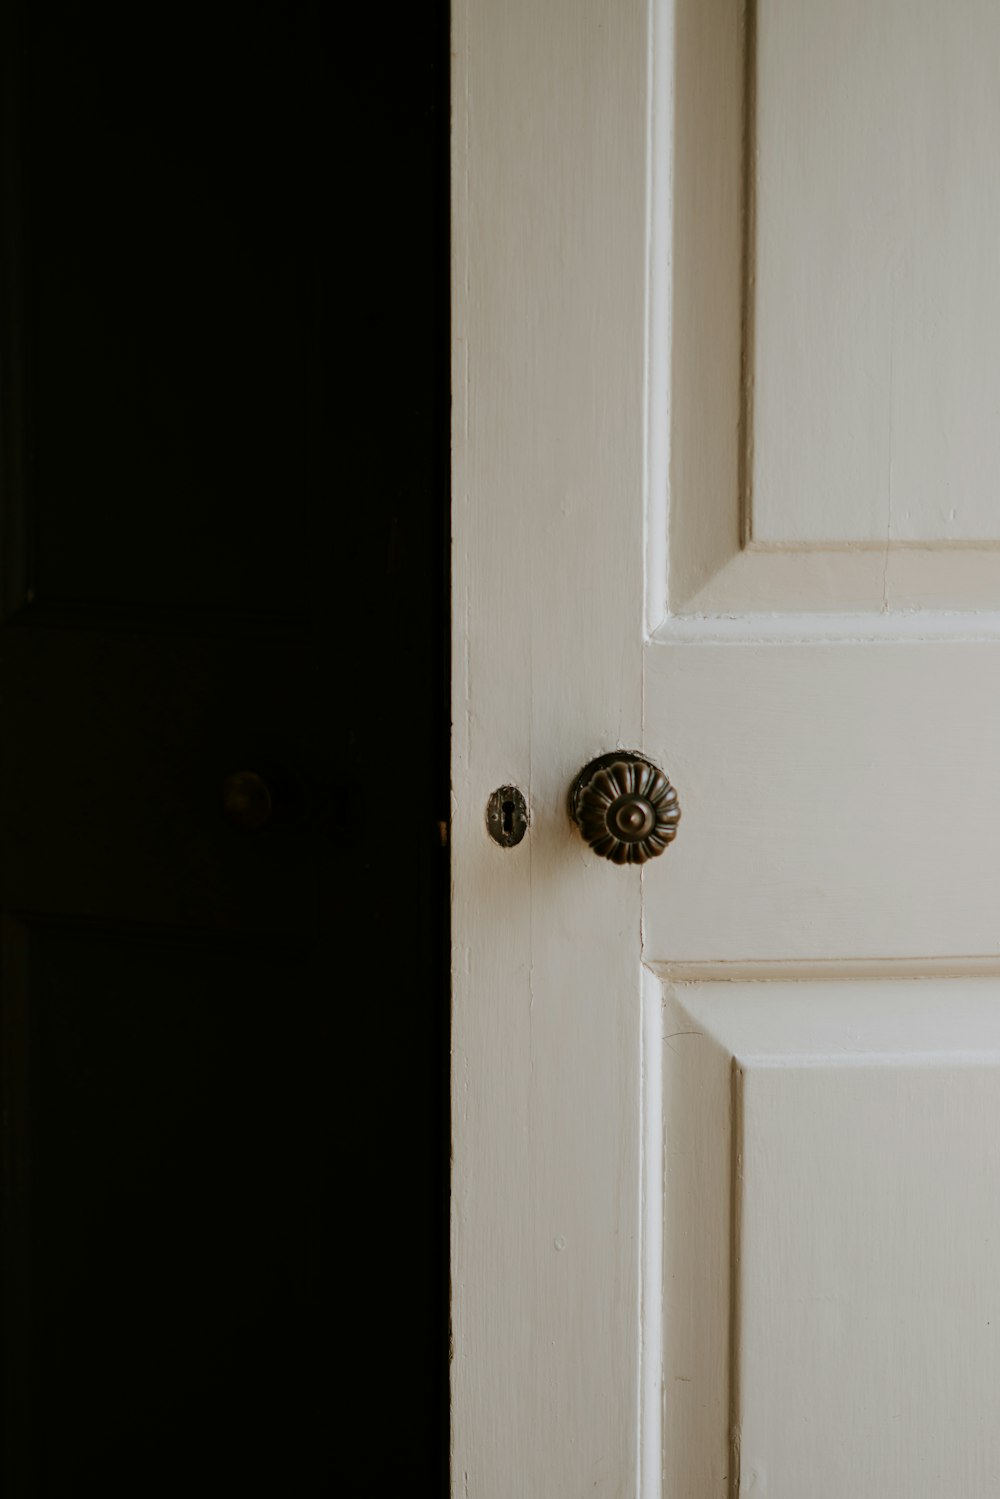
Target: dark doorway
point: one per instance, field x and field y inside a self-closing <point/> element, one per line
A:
<point x="223" y="748"/>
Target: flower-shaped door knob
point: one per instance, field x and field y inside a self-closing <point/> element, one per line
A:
<point x="625" y="807"/>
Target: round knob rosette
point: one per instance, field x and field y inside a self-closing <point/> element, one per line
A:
<point x="625" y="807"/>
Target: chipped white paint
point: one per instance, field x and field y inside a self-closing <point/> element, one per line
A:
<point x="804" y="1148"/>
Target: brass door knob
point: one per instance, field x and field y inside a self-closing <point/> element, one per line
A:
<point x="625" y="807"/>
<point x="246" y="799"/>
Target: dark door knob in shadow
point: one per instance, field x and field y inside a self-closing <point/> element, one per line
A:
<point x="625" y="807"/>
<point x="246" y="799"/>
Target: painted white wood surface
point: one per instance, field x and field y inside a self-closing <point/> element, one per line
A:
<point x="839" y="800"/>
<point x="877" y="303"/>
<point x="786" y="249"/>
<point x="833" y="1187"/>
<point x="830" y="716"/>
<point x="549" y="265"/>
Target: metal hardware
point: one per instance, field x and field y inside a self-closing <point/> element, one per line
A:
<point x="246" y="799"/>
<point x="507" y="816"/>
<point x="625" y="807"/>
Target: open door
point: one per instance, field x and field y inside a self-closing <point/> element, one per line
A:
<point x="222" y="1098"/>
<point x="726" y="393"/>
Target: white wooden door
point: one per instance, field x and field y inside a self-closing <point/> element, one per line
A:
<point x="727" y="491"/>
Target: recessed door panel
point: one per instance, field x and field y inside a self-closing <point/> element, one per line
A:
<point x="169" y="1112"/>
<point x="830" y="1222"/>
<point x="167" y="296"/>
<point x="873" y="301"/>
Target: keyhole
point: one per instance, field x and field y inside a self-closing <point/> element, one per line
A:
<point x="507" y="816"/>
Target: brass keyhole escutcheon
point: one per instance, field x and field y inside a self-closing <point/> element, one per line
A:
<point x="507" y="816"/>
<point x="246" y="799"/>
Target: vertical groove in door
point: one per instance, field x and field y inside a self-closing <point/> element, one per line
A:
<point x="749" y="255"/>
<point x="735" y="1231"/>
<point x="652" y="1393"/>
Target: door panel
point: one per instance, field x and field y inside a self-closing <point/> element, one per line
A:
<point x="796" y="1004"/>
<point x="821" y="689"/>
<point x="219" y="1110"/>
<point x="168" y="1106"/>
<point x="830" y="1214"/>
<point x="831" y="379"/>
<point x="172" y="1136"/>
<point x="167" y="286"/>
<point x="875" y="314"/>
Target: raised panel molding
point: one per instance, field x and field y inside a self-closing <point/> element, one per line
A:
<point x="764" y="370"/>
<point x="831" y="1207"/>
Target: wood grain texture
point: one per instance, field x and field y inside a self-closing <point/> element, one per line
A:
<point x="549" y="225"/>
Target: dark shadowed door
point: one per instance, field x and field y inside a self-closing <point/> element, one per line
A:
<point x="214" y="1218"/>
